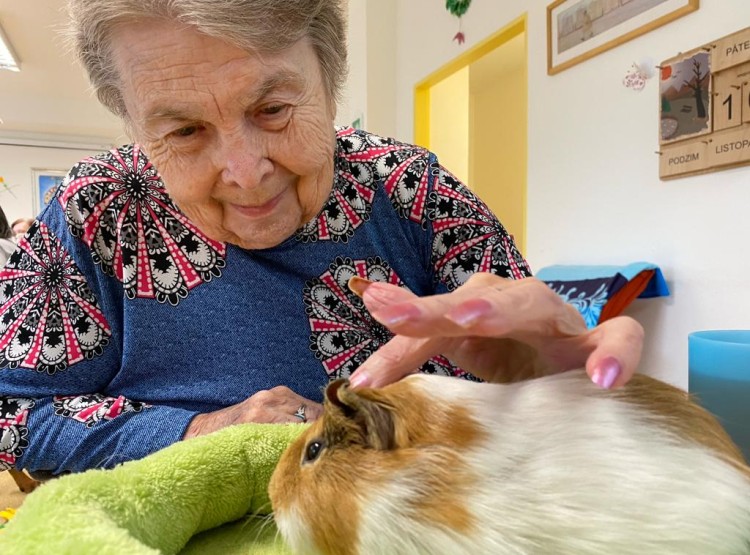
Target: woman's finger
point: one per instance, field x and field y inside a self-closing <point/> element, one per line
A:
<point x="281" y="404"/>
<point x="490" y="307"/>
<point x="522" y="309"/>
<point x="378" y="295"/>
<point x="394" y="360"/>
<point x="615" y="358"/>
<point x="313" y="411"/>
<point x="301" y="409"/>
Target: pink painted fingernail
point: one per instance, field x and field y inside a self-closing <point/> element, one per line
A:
<point x="382" y="293"/>
<point x="606" y="373"/>
<point x="469" y="312"/>
<point x="359" y="380"/>
<point x="396" y="314"/>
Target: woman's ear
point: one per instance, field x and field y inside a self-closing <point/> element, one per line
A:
<point x="373" y="417"/>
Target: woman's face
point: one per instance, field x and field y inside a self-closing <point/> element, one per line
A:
<point x="244" y="142"/>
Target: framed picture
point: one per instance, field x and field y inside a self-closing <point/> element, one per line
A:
<point x="580" y="29"/>
<point x="685" y="96"/>
<point x="45" y="184"/>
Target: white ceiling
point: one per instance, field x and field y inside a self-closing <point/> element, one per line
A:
<point x="50" y="95"/>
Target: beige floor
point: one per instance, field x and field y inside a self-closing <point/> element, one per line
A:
<point x="10" y="496"/>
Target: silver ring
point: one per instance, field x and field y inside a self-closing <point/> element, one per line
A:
<point x="300" y="413"/>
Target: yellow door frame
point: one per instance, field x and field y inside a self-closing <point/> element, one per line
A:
<point x="422" y="89"/>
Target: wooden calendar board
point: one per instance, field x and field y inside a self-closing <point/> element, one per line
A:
<point x="728" y="98"/>
<point x="730" y="148"/>
<point x="732" y="50"/>
<point x="690" y="157"/>
<point x="704" y="122"/>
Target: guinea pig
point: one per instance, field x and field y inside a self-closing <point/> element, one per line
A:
<point x="550" y="466"/>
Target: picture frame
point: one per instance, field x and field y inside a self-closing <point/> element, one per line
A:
<point x="685" y="96"/>
<point x="581" y="29"/>
<point x="44" y="185"/>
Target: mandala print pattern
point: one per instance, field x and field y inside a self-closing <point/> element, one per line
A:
<point x="442" y="366"/>
<point x="344" y="334"/>
<point x="468" y="238"/>
<point x="348" y="207"/>
<point x="49" y="318"/>
<point x="116" y="203"/>
<point x="14" y="413"/>
<point x="364" y="160"/>
<point x="95" y="407"/>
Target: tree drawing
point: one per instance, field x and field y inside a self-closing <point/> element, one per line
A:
<point x="696" y="83"/>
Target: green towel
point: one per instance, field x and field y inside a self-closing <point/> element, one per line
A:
<point x="157" y="504"/>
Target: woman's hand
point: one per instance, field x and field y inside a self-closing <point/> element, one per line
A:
<point x="277" y="405"/>
<point x="498" y="329"/>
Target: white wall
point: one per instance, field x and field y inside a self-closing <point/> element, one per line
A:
<point x="382" y="50"/>
<point x="16" y="165"/>
<point x="354" y="98"/>
<point x="594" y="196"/>
<point x="370" y="92"/>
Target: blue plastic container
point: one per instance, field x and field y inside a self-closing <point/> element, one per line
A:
<point x="719" y="376"/>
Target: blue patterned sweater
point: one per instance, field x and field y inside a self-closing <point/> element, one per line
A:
<point x="120" y="320"/>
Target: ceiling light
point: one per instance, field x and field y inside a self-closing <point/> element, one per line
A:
<point x="8" y="58"/>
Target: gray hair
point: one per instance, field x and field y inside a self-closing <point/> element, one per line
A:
<point x="253" y="25"/>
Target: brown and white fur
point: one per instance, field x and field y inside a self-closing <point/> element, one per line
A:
<point x="434" y="465"/>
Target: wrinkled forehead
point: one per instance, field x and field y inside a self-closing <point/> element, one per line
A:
<point x="161" y="64"/>
<point x="167" y="44"/>
<point x="257" y="37"/>
<point x="160" y="42"/>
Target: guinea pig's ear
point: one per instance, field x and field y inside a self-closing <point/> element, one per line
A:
<point x="374" y="418"/>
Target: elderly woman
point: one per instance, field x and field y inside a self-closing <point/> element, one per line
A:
<point x="145" y="307"/>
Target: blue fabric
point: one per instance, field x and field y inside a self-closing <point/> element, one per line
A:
<point x="657" y="287"/>
<point x="119" y="321"/>
<point x="588" y="296"/>
<point x="589" y="288"/>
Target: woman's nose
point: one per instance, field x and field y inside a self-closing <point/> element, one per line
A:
<point x="244" y="160"/>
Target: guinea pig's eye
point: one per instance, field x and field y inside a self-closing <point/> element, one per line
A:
<point x="313" y="450"/>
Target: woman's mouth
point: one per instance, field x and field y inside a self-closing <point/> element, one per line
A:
<point x="258" y="210"/>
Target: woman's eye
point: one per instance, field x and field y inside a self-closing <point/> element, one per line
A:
<point x="273" y="117"/>
<point x="186" y="131"/>
<point x="313" y="450"/>
<point x="273" y="109"/>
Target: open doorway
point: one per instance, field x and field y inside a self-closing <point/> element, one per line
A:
<point x="472" y="113"/>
